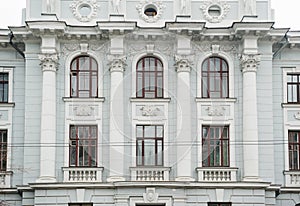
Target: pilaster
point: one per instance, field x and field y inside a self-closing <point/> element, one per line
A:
<point x="49" y="63"/>
<point x="249" y="63"/>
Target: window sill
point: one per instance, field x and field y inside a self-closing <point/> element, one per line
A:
<point x="134" y="99"/>
<point x="78" y="99"/>
<point x="290" y="105"/>
<point x="200" y="99"/>
<point x="7" y="104"/>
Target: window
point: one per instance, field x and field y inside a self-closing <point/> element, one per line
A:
<point x="80" y="204"/>
<point x="215" y="146"/>
<point x="3" y="150"/>
<point x="149" y="78"/>
<point x="293" y="88"/>
<point x="219" y="204"/>
<point x="84" y="77"/>
<point x="83" y="146"/>
<point x="215" y="79"/>
<point x="3" y="87"/>
<point x="294" y="151"/>
<point x="149" y="145"/>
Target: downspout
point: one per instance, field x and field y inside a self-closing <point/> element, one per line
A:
<point x="11" y="36"/>
<point x="286" y="42"/>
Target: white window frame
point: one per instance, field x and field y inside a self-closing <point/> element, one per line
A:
<point x="10" y="71"/>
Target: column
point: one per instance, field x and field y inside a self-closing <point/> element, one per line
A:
<point x="49" y="63"/>
<point x="184" y="136"/>
<point x="116" y="130"/>
<point x="249" y="64"/>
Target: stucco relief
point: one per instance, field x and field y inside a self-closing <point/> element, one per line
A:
<point x="183" y="63"/>
<point x="215" y="111"/>
<point x="216" y="48"/>
<point x="83" y="110"/>
<point x="150" y="110"/>
<point x="249" y="62"/>
<point x="49" y="62"/>
<point x="223" y="9"/>
<point x="297" y="115"/>
<point x="84" y="10"/>
<point x="150" y="196"/>
<point x="116" y="63"/>
<point x="158" y="5"/>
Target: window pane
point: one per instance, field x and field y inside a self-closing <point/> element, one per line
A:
<point x="149" y="152"/>
<point x="140" y="152"/>
<point x="159" y="153"/>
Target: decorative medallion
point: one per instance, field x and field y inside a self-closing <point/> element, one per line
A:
<point x="183" y="63"/>
<point x="150" y="10"/>
<point x="215" y="11"/>
<point x="150" y="196"/>
<point x="84" y="10"/>
<point x="297" y="115"/>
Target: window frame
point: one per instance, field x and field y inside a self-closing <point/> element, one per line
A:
<point x="297" y="84"/>
<point x="208" y="73"/>
<point x="222" y="140"/>
<point x="77" y="146"/>
<point x="91" y="73"/>
<point x="156" y="140"/>
<point x="144" y="73"/>
<point x="3" y="160"/>
<point x="292" y="145"/>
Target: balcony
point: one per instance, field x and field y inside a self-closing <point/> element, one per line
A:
<point x="5" y="179"/>
<point x="219" y="174"/>
<point x="150" y="173"/>
<point x="82" y="174"/>
<point x="292" y="178"/>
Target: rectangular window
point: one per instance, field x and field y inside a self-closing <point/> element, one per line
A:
<point x="294" y="150"/>
<point x="3" y="150"/>
<point x="219" y="204"/>
<point x="293" y="88"/>
<point x="83" y="146"/>
<point x="3" y="87"/>
<point x="149" y="145"/>
<point x="215" y="146"/>
<point x="80" y="204"/>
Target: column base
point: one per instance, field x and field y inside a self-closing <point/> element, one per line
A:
<point x="184" y="179"/>
<point x="46" y="179"/>
<point x="115" y="179"/>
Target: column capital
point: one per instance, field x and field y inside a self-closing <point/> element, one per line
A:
<point x="183" y="63"/>
<point x="117" y="63"/>
<point x="49" y="62"/>
<point x="249" y="62"/>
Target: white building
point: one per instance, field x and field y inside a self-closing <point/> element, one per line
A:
<point x="149" y="103"/>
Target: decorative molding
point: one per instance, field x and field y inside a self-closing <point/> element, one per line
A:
<point x="116" y="63"/>
<point x="249" y="62"/>
<point x="157" y="4"/>
<point x="49" y="62"/>
<point x="297" y="116"/>
<point x="150" y="196"/>
<point x="183" y="63"/>
<point x="83" y="110"/>
<point x="215" y="111"/>
<point x="215" y="48"/>
<point x="149" y="110"/>
<point x="78" y="4"/>
<point x="224" y="9"/>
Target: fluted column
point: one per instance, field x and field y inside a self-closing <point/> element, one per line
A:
<point x="116" y="131"/>
<point x="249" y="64"/>
<point x="184" y="135"/>
<point x="49" y="64"/>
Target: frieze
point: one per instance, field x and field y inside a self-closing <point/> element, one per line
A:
<point x="83" y="110"/>
<point x="215" y="111"/>
<point x="216" y="47"/>
<point x="149" y="110"/>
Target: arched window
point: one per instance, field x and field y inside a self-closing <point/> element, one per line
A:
<point x="84" y="77"/>
<point x="149" y="78"/>
<point x="215" y="78"/>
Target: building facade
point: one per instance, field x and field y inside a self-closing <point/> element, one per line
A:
<point x="149" y="103"/>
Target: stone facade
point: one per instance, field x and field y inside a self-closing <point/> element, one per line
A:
<point x="145" y="102"/>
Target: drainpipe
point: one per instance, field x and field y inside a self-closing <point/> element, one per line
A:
<point x="11" y="36"/>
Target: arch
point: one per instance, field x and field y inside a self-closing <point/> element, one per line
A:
<point x="68" y="63"/>
<point x="164" y="72"/>
<point x="230" y="66"/>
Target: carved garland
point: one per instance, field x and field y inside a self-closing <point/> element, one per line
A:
<point x="147" y="3"/>
<point x="77" y="5"/>
<point x="249" y="62"/>
<point x="224" y="9"/>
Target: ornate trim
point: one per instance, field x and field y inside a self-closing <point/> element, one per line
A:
<point x="297" y="115"/>
<point x="149" y="110"/>
<point x="215" y="111"/>
<point x="224" y="8"/>
<point x="249" y="62"/>
<point x="78" y="4"/>
<point x="49" y="62"/>
<point x="116" y="63"/>
<point x="83" y="110"/>
<point x="183" y="63"/>
<point x="157" y="4"/>
<point x="150" y="196"/>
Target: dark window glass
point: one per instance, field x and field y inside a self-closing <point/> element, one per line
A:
<point x="294" y="151"/>
<point x="219" y="204"/>
<point x="149" y="145"/>
<point x="84" y="77"/>
<point x="83" y="146"/>
<point x="3" y="87"/>
<point x="215" y="78"/>
<point x="3" y="150"/>
<point x="293" y="87"/>
<point x="215" y="146"/>
<point x="149" y="78"/>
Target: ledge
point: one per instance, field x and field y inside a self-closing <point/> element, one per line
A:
<point x="72" y="99"/>
<point x="133" y="99"/>
<point x="290" y="105"/>
<point x="7" y="104"/>
<point x="226" y="100"/>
